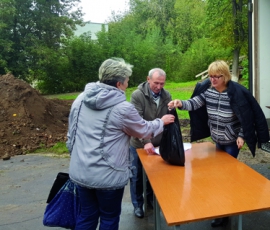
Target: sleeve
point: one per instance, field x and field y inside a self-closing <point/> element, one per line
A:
<point x="260" y="122"/>
<point x="241" y="134"/>
<point x="194" y="103"/>
<point x="134" y="125"/>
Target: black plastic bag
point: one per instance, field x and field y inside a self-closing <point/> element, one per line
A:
<point x="171" y="146"/>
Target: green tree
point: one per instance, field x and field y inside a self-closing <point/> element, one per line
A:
<point x="227" y="20"/>
<point x="189" y="22"/>
<point x="179" y="22"/>
<point x="144" y="51"/>
<point x="33" y="31"/>
<point x="198" y="56"/>
<point x="84" y="57"/>
<point x="6" y="15"/>
<point x="152" y="14"/>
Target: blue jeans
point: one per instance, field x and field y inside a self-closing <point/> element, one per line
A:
<point x="103" y="204"/>
<point x="231" y="149"/>
<point x="136" y="182"/>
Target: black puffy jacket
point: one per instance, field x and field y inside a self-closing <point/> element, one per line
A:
<point x="245" y="107"/>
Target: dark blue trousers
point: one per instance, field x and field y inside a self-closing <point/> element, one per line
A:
<point x="231" y="149"/>
<point x="136" y="183"/>
<point x="103" y="205"/>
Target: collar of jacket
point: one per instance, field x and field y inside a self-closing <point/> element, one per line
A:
<point x="144" y="87"/>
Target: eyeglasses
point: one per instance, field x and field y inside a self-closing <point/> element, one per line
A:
<point x="215" y="77"/>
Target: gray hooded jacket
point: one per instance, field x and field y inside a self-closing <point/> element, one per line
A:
<point x="101" y="123"/>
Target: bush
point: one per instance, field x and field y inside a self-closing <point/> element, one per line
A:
<point x="197" y="58"/>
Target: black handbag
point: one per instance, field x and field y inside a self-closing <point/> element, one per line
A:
<point x="171" y="146"/>
<point x="59" y="182"/>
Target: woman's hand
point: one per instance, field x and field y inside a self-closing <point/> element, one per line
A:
<point x="175" y="104"/>
<point x="167" y="119"/>
<point x="240" y="142"/>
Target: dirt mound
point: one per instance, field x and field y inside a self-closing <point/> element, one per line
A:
<point x="28" y="120"/>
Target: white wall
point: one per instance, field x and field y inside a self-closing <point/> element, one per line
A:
<point x="90" y="27"/>
<point x="263" y="55"/>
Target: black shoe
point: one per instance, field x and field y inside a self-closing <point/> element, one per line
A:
<point x="219" y="222"/>
<point x="139" y="212"/>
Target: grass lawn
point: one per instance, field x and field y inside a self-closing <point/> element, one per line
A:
<point x="181" y="91"/>
<point x="178" y="91"/>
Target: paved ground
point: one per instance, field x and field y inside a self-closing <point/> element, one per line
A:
<point x="26" y="180"/>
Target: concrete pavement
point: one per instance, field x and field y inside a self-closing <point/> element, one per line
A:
<point x="26" y="180"/>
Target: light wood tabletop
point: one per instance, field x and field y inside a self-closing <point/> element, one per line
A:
<point x="212" y="184"/>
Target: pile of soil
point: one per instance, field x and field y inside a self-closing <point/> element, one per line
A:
<point x="28" y="120"/>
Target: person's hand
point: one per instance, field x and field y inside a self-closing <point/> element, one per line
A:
<point x="175" y="103"/>
<point x="240" y="142"/>
<point x="167" y="119"/>
<point x="149" y="148"/>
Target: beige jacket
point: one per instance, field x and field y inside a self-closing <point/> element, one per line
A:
<point x="143" y="101"/>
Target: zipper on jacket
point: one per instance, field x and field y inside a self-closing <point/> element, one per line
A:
<point x="218" y="116"/>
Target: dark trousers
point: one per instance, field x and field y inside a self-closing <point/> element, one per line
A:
<point x="136" y="182"/>
<point x="99" y="204"/>
<point x="231" y="149"/>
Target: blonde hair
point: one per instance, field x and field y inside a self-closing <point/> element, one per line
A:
<point x="220" y="67"/>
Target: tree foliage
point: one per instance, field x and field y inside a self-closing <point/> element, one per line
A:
<point x="189" y="22"/>
<point x="227" y="20"/>
<point x="7" y="12"/>
<point x="33" y="30"/>
<point x="180" y="36"/>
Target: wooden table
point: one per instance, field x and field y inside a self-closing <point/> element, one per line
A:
<point x="212" y="184"/>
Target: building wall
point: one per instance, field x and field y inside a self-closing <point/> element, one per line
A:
<point x="92" y="27"/>
<point x="261" y="54"/>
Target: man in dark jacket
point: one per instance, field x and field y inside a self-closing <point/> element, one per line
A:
<point x="150" y="100"/>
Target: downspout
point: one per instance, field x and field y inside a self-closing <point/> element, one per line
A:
<point x="250" y="53"/>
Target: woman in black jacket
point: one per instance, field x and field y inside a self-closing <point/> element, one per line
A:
<point x="227" y="111"/>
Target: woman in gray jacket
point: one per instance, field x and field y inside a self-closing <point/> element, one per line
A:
<point x="101" y="123"/>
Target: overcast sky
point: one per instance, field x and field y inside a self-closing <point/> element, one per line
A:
<point x="100" y="10"/>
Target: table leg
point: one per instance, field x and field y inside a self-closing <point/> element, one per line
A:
<point x="156" y="214"/>
<point x="144" y="192"/>
<point x="177" y="227"/>
<point x="240" y="222"/>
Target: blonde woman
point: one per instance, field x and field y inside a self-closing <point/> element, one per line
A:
<point x="227" y="111"/>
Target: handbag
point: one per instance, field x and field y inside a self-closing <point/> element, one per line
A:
<point x="59" y="181"/>
<point x="64" y="208"/>
<point x="171" y="145"/>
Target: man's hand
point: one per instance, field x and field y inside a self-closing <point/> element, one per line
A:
<point x="149" y="148"/>
<point x="175" y="104"/>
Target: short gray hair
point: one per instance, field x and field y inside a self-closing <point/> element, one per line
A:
<point x="114" y="70"/>
<point x="161" y="72"/>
